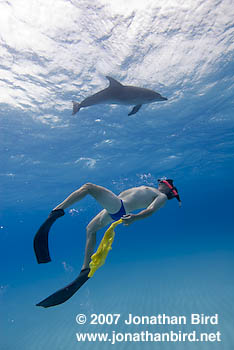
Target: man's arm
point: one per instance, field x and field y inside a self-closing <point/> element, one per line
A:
<point x="157" y="203"/>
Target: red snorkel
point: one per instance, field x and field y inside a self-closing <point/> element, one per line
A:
<point x="172" y="188"/>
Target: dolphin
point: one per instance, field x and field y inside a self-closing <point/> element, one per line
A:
<point x="119" y="94"/>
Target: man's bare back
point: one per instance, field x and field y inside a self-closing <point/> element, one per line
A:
<point x="138" y="197"/>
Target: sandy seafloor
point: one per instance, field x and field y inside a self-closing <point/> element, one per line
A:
<point x="179" y="261"/>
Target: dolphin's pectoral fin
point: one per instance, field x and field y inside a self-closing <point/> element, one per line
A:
<point x="113" y="82"/>
<point x="135" y="110"/>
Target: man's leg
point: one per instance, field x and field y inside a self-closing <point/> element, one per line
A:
<point x="104" y="197"/>
<point x="96" y="224"/>
<point x="107" y="199"/>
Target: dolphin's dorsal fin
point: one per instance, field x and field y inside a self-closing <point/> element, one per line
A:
<point x="113" y="83"/>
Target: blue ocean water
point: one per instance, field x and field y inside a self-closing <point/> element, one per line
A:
<point x="179" y="261"/>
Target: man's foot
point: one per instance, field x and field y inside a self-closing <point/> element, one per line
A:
<point x="56" y="213"/>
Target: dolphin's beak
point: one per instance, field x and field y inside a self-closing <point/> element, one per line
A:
<point x="164" y="98"/>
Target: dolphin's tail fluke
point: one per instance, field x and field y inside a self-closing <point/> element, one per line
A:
<point x="76" y="107"/>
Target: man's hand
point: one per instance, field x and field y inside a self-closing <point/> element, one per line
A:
<point x="128" y="219"/>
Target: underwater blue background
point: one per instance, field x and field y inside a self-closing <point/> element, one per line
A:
<point x="180" y="260"/>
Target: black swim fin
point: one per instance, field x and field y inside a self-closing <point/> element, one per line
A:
<point x="67" y="292"/>
<point x="41" y="247"/>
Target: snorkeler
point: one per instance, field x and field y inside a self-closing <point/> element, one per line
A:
<point x="115" y="208"/>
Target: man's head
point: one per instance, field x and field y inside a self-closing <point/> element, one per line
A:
<point x="166" y="186"/>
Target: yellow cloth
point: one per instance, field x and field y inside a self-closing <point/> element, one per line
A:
<point x="98" y="258"/>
